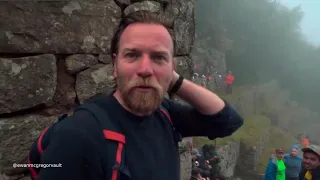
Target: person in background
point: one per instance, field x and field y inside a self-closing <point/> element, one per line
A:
<point x="194" y="157"/>
<point x="203" y="81"/>
<point x="228" y="81"/>
<point x="212" y="160"/>
<point x="195" y="77"/>
<point x="214" y="167"/>
<point x="305" y="141"/>
<point x="197" y="69"/>
<point x="276" y="169"/>
<point x="293" y="163"/>
<point x="205" y="175"/>
<point x="202" y="159"/>
<point x="196" y="174"/>
<point x="310" y="164"/>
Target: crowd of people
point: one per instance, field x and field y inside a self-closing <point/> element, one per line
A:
<point x="293" y="166"/>
<point x="301" y="163"/>
<point x="205" y="163"/>
<point x="215" y="79"/>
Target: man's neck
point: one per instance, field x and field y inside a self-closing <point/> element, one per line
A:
<point x="315" y="169"/>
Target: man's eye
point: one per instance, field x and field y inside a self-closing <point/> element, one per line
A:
<point x="158" y="57"/>
<point x="132" y="55"/>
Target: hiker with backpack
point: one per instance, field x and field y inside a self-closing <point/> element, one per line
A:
<point x="212" y="160"/>
<point x="134" y="131"/>
<point x="276" y="168"/>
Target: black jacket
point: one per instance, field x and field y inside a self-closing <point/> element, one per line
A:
<point x="315" y="174"/>
<point x="151" y="148"/>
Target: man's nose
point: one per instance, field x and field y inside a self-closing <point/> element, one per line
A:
<point x="145" y="66"/>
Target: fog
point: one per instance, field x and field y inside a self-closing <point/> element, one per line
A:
<point x="310" y="24"/>
<point x="265" y="41"/>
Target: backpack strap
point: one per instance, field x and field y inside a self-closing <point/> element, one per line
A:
<point x="177" y="135"/>
<point x="111" y="131"/>
<point x="40" y="139"/>
<point x="39" y="142"/>
<point x="166" y="113"/>
<point x="38" y="148"/>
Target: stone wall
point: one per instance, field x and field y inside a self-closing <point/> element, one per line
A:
<point x="229" y="155"/>
<point x="250" y="157"/>
<point x="240" y="159"/>
<point x="54" y="55"/>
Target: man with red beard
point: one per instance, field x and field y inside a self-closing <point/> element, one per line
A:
<point x="144" y="69"/>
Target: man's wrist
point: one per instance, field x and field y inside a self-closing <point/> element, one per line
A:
<point x="175" y="84"/>
<point x="174" y="80"/>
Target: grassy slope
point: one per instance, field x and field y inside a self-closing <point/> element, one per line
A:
<point x="251" y="132"/>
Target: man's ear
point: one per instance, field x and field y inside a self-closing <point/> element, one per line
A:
<point x="114" y="58"/>
<point x="174" y="64"/>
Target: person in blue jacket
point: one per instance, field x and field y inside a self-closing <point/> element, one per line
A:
<point x="276" y="168"/>
<point x="293" y="163"/>
<point x="201" y="158"/>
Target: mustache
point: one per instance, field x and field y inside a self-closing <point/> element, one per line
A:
<point x="145" y="83"/>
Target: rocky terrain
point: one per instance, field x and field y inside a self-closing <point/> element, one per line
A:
<point x="54" y="55"/>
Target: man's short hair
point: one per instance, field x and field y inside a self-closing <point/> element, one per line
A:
<point x="279" y="150"/>
<point x="205" y="173"/>
<point x="195" y="171"/>
<point x="146" y="17"/>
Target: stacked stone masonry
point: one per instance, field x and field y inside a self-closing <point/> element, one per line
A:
<point x="229" y="155"/>
<point x="238" y="158"/>
<point x="241" y="160"/>
<point x="249" y="157"/>
<point x="55" y="55"/>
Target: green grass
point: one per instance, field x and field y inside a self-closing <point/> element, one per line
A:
<point x="236" y="92"/>
<point x="251" y="131"/>
<point x="277" y="139"/>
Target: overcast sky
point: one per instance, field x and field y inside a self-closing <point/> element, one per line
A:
<point x="311" y="22"/>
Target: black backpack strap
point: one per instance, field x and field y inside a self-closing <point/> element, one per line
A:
<point x="166" y="113"/>
<point x="38" y="148"/>
<point x="177" y="135"/>
<point x="111" y="131"/>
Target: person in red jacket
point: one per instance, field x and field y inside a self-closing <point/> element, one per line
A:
<point x="229" y="80"/>
<point x="305" y="142"/>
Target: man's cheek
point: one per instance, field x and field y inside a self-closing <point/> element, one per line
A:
<point x="165" y="83"/>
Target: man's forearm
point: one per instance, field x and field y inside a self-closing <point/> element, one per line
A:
<point x="202" y="99"/>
